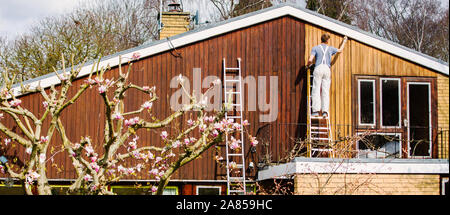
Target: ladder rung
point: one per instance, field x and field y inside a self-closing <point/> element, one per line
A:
<point x="236" y="191"/>
<point x="234" y="117"/>
<point x="236" y="179"/>
<point x="232" y="92"/>
<point x="321" y="150"/>
<point x="319" y="117"/>
<point x="319" y="138"/>
<point x="318" y="128"/>
<point x="235" y="105"/>
<point x="235" y="154"/>
<point x="232" y="68"/>
<point x="232" y="80"/>
<point x="319" y="132"/>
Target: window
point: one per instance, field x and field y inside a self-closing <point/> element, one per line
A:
<point x="366" y="102"/>
<point x="209" y="190"/>
<point x="419" y="116"/>
<point x="444" y="188"/>
<point x="11" y="190"/>
<point x="390" y="110"/>
<point x="380" y="145"/>
<point x="144" y="190"/>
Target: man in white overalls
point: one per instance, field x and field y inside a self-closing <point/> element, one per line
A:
<point x="322" y="74"/>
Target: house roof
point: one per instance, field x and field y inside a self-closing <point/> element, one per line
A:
<point x="205" y="32"/>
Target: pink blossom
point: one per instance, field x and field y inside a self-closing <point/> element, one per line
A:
<point x="164" y="135"/>
<point x="236" y="126"/>
<point x="132" y="121"/>
<point x="219" y="126"/>
<point x="45" y="104"/>
<point x="121" y="169"/>
<point x="154" y="172"/>
<point x="89" y="150"/>
<point x="44" y="139"/>
<point x="87" y="177"/>
<point x="42" y="158"/>
<point x="132" y="145"/>
<point x="215" y="133"/>
<point x="2" y="169"/>
<point x="154" y="189"/>
<point x="147" y="105"/>
<point x="31" y="176"/>
<point x="139" y="167"/>
<point x="117" y="116"/>
<point x="1" y="115"/>
<point x="136" y="56"/>
<point x="7" y="141"/>
<point x="176" y="144"/>
<point x="253" y="141"/>
<point x="76" y="146"/>
<point x="202" y="127"/>
<point x="102" y="89"/>
<point x="235" y="144"/>
<point x="29" y="150"/>
<point x="219" y="158"/>
<point x="245" y="123"/>
<point x="190" y="122"/>
<point x="158" y="159"/>
<point x="93" y="158"/>
<point x="192" y="139"/>
<point x="15" y="102"/>
<point x="130" y="171"/>
<point x="95" y="166"/>
<point x="146" y="88"/>
<point x="90" y="81"/>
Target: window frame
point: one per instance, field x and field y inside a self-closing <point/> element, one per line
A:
<point x="374" y="105"/>
<point x="399" y="103"/>
<point x="382" y="133"/>
<point x="208" y="186"/>
<point x="430" y="121"/>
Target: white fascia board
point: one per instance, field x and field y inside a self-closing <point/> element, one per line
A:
<point x="339" y="167"/>
<point x="249" y="21"/>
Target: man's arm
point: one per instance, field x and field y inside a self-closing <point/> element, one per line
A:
<point x="343" y="44"/>
<point x="310" y="61"/>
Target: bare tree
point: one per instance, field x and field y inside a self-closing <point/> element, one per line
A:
<point x="95" y="29"/>
<point x="418" y="24"/>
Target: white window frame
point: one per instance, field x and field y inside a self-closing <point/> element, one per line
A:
<point x="444" y="180"/>
<point x="207" y="186"/>
<point x="429" y="118"/>
<point x="374" y="102"/>
<point x="399" y="103"/>
<point x="383" y="133"/>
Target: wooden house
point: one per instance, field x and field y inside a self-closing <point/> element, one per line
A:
<point x="377" y="86"/>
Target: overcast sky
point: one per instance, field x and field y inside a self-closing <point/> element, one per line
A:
<point x="16" y="16"/>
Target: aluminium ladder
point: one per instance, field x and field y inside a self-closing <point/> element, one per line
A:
<point x="233" y="88"/>
<point x="319" y="134"/>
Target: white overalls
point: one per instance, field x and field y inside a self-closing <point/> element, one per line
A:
<point x="322" y="79"/>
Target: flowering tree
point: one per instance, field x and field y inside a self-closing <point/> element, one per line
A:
<point x="31" y="134"/>
<point x="96" y="167"/>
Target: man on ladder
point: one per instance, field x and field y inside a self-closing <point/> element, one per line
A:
<point x="322" y="74"/>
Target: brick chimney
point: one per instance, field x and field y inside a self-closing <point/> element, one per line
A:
<point x="174" y="21"/>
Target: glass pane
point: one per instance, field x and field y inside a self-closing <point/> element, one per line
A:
<point x="4" y="190"/>
<point x="131" y="191"/>
<point x="380" y="146"/>
<point x="390" y="103"/>
<point x="208" y="191"/>
<point x="170" y="191"/>
<point x="419" y="120"/>
<point x="366" y="98"/>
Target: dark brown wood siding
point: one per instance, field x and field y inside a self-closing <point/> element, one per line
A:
<point x="273" y="48"/>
